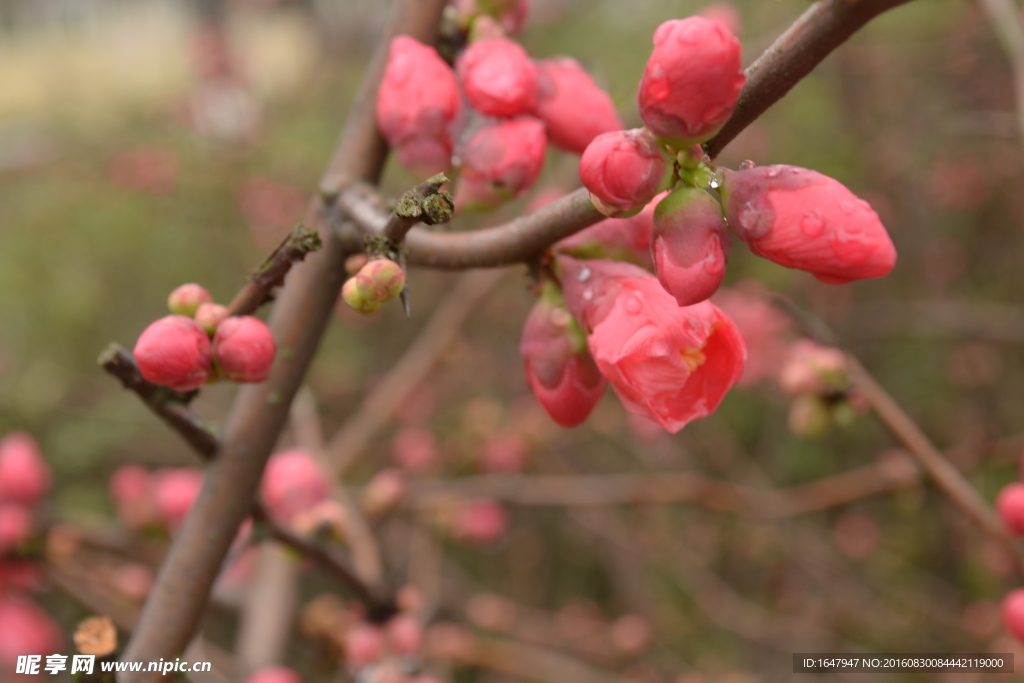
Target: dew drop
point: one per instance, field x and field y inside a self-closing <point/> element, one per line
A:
<point x="749" y="216"/>
<point x="812" y="225"/>
<point x="634" y="305"/>
<point x="747" y="164"/>
<point x="588" y="294"/>
<point x="773" y="172"/>
<point x="584" y="274"/>
<point x="846" y="207"/>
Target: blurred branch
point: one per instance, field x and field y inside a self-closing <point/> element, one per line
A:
<point x="270" y="275"/>
<point x="366" y="555"/>
<point x="825" y="25"/>
<point x="168" y="404"/>
<point x="305" y="303"/>
<point x="946" y="476"/>
<point x="411" y="369"/>
<point x="1009" y="29"/>
<point x="529" y="662"/>
<point x="267" y="611"/>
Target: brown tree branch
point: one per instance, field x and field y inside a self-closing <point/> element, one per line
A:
<point x="826" y="25"/>
<point x="171" y="406"/>
<point x="270" y="275"/>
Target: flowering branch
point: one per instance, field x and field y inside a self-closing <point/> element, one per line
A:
<point x="821" y="29"/>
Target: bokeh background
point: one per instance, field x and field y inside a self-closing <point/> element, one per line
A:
<point x="126" y="169"/>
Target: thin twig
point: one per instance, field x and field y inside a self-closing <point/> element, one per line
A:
<point x="171" y="406"/>
<point x="413" y="367"/>
<point x="260" y="289"/>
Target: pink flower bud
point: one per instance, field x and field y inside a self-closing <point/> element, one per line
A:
<point x="15" y="526"/>
<point x="24" y="474"/>
<point x="511" y="14"/>
<point x="689" y="244"/>
<point x="131" y="488"/>
<point x="384" y="492"/>
<point x="175" y="490"/>
<point x="498" y="77"/>
<point x="415" y="450"/>
<point x="293" y="481"/>
<point x="274" y="674"/>
<point x="186" y="299"/>
<point x="691" y="82"/>
<point x="500" y="161"/>
<point x="380" y="281"/>
<point x="133" y="580"/>
<point x="25" y="629"/>
<point x="244" y="349"/>
<point x="506" y="452"/>
<point x="1013" y="613"/>
<point x="574" y="109"/>
<point x="765" y="329"/>
<point x="364" y="644"/>
<point x="811" y="368"/>
<point x="174" y="352"/>
<point x="618" y="239"/>
<point x="802" y="219"/>
<point x="1010" y="504"/>
<point x="671" y="363"/>
<point x="404" y="634"/>
<point x="624" y="170"/>
<point x="481" y="521"/>
<point x="353" y="298"/>
<point x="559" y="370"/>
<point x="209" y="316"/>
<point x="417" y="105"/>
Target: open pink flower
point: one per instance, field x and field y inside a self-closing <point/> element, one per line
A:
<point x="689" y="244"/>
<point x="498" y="77"/>
<point x="802" y="219"/>
<point x="417" y="106"/>
<point x="691" y="82"/>
<point x="500" y="161"/>
<point x="559" y="369"/>
<point x="671" y="363"/>
<point x="24" y="474"/>
<point x="624" y="170"/>
<point x="619" y="239"/>
<point x="574" y="109"/>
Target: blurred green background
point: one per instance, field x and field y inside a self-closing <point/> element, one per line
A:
<point x="111" y="195"/>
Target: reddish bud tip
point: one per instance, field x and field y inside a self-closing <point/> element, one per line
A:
<point x="1010" y="504"/>
<point x="209" y="316"/>
<point x="802" y="219"/>
<point x="624" y="170"/>
<point x="186" y="299"/>
<point x="689" y="244"/>
<point x="691" y="82"/>
<point x="244" y="349"/>
<point x="174" y="352"/>
<point x="574" y="109"/>
<point x="498" y="77"/>
<point x="500" y="161"/>
<point x="24" y="474"/>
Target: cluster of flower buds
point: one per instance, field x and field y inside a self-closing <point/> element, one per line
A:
<point x="793" y="216"/>
<point x="516" y="106"/>
<point x="159" y="499"/>
<point x="199" y="343"/>
<point x="24" y="481"/>
<point x="377" y="282"/>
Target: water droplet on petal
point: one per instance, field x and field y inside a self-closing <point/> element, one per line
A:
<point x="588" y="294"/>
<point x="584" y="274"/>
<point x="747" y="165"/>
<point x="812" y="225"/>
<point x="749" y="216"/>
<point x="634" y="305"/>
<point x="772" y="172"/>
<point x="846" y="207"/>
